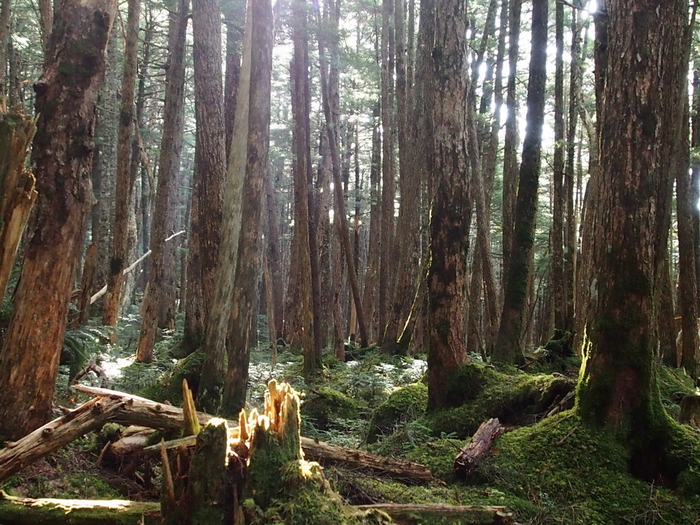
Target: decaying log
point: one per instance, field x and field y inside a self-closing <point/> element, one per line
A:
<point x="479" y="445"/>
<point x="57" y="433"/>
<point x="26" y="511"/>
<point x="144" y="412"/>
<point x="466" y="514"/>
<point x="17" y="193"/>
<point x="327" y="454"/>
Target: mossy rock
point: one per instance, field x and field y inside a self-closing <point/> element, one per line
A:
<point x="324" y="406"/>
<point x="514" y="399"/>
<point x="404" y="404"/>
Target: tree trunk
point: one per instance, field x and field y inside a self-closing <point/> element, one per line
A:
<point x="212" y="379"/>
<point x="168" y="167"/>
<point x="209" y="170"/>
<point x="66" y="104"/>
<point x="238" y="343"/>
<point x="5" y="19"/>
<point x="124" y="175"/>
<point x="638" y="125"/>
<point x="507" y="349"/>
<point x="451" y="209"/>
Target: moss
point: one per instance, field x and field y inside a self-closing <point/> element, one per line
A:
<point x="169" y="388"/>
<point x="674" y="384"/>
<point x="325" y="405"/>
<point x="404" y="404"/>
<point x="513" y="399"/>
<point x="577" y="474"/>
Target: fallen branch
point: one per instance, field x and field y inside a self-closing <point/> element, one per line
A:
<point x="57" y="433"/>
<point x="466" y="514"/>
<point x="133" y="265"/>
<point x="26" y="511"/>
<point x="479" y="445"/>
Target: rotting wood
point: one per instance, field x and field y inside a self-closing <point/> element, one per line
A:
<point x="466" y="514"/>
<point x="479" y="445"/>
<point x="57" y="433"/>
<point x="27" y="511"/>
<point x="17" y="193"/>
<point x="144" y="412"/>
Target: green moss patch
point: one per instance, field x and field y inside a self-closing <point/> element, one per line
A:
<point x="404" y="404"/>
<point x="514" y="399"/>
<point x="324" y="406"/>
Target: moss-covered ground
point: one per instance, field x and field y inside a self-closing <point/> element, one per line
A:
<point x="547" y="470"/>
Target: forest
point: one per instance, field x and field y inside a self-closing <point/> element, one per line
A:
<point x="361" y="262"/>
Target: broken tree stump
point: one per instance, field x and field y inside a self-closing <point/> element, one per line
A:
<point x="27" y="511"/>
<point x="479" y="445"/>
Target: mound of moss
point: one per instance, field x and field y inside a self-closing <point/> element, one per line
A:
<point x="324" y="406"/>
<point x="575" y="474"/>
<point x="169" y="387"/>
<point x="513" y="398"/>
<point x="404" y="404"/>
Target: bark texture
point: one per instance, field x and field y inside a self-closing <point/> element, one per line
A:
<point x="66" y="103"/>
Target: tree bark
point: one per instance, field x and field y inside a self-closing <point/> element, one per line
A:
<point x="508" y="344"/>
<point x="66" y="102"/>
<point x="451" y="208"/>
<point x="125" y="177"/>
<point x="641" y="106"/>
<point x="209" y="170"/>
<point x="239" y="342"/>
<point x="168" y="167"/>
<point x="17" y="193"/>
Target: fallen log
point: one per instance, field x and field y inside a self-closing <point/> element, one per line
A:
<point x="57" y="433"/>
<point x="479" y="445"/>
<point x="144" y="412"/>
<point x="27" y="511"/>
<point x="465" y="514"/>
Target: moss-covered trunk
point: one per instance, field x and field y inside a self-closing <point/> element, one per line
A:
<point x="641" y="108"/>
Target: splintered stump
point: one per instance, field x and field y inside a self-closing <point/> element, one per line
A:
<point x="479" y="445"/>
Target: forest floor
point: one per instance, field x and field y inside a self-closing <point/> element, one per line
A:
<point x="544" y="469"/>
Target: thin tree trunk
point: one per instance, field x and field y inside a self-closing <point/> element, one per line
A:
<point x="168" y="167"/>
<point x="5" y="19"/>
<point x="507" y="349"/>
<point x="66" y="104"/>
<point x="125" y="176"/>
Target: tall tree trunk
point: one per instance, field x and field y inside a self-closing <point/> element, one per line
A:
<point x="558" y="283"/>
<point x="451" y="209"/>
<point x="641" y="106"/>
<point x="46" y="24"/>
<point x="168" y="167"/>
<point x="212" y="379"/>
<point x="5" y="19"/>
<point x="510" y="146"/>
<point x="125" y="176"/>
<point x="507" y="349"/>
<point x="249" y="250"/>
<point x="209" y="169"/>
<point x="687" y="278"/>
<point x="386" y="259"/>
<point x="66" y="104"/>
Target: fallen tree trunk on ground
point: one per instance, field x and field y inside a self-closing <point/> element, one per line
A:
<point x="144" y="412"/>
<point x="479" y="445"/>
<point x="57" y="433"/>
<point x="466" y="514"/>
<point x="26" y="511"/>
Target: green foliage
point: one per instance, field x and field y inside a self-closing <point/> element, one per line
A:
<point x="82" y="344"/>
<point x="325" y="407"/>
<point x="404" y="404"/>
